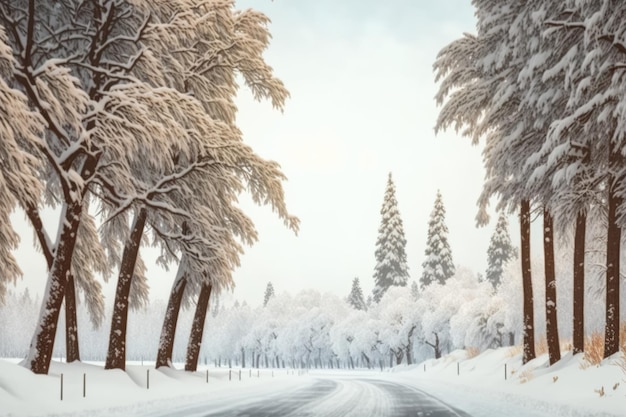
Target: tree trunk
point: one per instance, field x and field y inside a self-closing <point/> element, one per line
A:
<point x="168" y="331"/>
<point x="42" y="344"/>
<point x="611" y="331"/>
<point x="71" y="323"/>
<point x="579" y="284"/>
<point x="116" y="355"/>
<point x="197" y="328"/>
<point x="409" y="346"/>
<point x="243" y="358"/>
<point x="527" y="284"/>
<point x="552" y="328"/>
<point x="351" y="363"/>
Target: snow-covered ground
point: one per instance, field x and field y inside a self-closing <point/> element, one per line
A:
<point x="476" y="385"/>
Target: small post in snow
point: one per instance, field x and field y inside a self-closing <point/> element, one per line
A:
<point x="230" y="371"/>
<point x="424" y="367"/>
<point x="458" y="372"/>
<point x="207" y="376"/>
<point x="147" y="378"/>
<point x="84" y="385"/>
<point x="505" y="371"/>
<point x="61" y="387"/>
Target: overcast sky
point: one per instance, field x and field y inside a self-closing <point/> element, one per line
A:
<point x="362" y="87"/>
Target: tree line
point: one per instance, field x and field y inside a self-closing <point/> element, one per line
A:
<point x="120" y="115"/>
<point x="541" y="86"/>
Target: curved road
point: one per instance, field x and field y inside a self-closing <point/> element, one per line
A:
<point x="345" y="397"/>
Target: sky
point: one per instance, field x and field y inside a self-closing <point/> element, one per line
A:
<point x="362" y="105"/>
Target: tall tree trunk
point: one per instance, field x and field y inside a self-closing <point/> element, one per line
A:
<point x="527" y="284"/>
<point x="197" y="328"/>
<point x="614" y="234"/>
<point x="42" y="344"/>
<point x="552" y="328"/>
<point x="116" y="355"/>
<point x="71" y="323"/>
<point x="168" y="331"/>
<point x="579" y="284"/>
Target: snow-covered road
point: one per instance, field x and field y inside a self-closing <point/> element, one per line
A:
<point x="329" y="396"/>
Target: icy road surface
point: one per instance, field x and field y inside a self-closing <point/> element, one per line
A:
<point x="331" y="397"/>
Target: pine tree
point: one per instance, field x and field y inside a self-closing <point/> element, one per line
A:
<point x="438" y="266"/>
<point x="391" y="267"/>
<point x="269" y="293"/>
<point x="414" y="290"/>
<point x="355" y="299"/>
<point x="500" y="251"/>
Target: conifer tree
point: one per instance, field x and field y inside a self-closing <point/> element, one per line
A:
<point x="500" y="251"/>
<point x="355" y="299"/>
<point x="269" y="293"/>
<point x="438" y="266"/>
<point x="414" y="290"/>
<point x="391" y="267"/>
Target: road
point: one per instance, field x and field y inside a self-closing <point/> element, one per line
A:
<point x="336" y="397"/>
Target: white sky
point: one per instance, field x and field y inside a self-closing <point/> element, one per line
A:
<point x="362" y="87"/>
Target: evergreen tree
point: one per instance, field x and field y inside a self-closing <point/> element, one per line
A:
<point x="438" y="266"/>
<point x="500" y="251"/>
<point x="355" y="299"/>
<point x="269" y="293"/>
<point x="414" y="290"/>
<point x="391" y="267"/>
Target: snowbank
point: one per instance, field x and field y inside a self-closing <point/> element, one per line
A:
<point x="569" y="388"/>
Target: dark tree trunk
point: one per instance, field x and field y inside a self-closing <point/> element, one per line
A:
<point x="614" y="234"/>
<point x="71" y="323"/>
<point x="168" y="331"/>
<point x="527" y="284"/>
<point x="116" y="355"/>
<point x="409" y="347"/>
<point x="552" y="328"/>
<point x="42" y="344"/>
<point x="399" y="354"/>
<point x="351" y="363"/>
<point x="579" y="284"/>
<point x="197" y="328"/>
<point x="243" y="358"/>
<point x="435" y="346"/>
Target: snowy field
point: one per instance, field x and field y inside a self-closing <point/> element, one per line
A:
<point x="477" y="386"/>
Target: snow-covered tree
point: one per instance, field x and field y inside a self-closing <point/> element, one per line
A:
<point x="391" y="266"/>
<point x="355" y="299"/>
<point x="269" y="293"/>
<point x="438" y="266"/>
<point x="500" y="251"/>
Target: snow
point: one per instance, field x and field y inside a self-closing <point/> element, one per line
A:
<point x="570" y="388"/>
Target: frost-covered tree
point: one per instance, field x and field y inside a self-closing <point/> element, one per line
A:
<point x="500" y="251"/>
<point x="269" y="293"/>
<point x="355" y="299"/>
<point x="391" y="266"/>
<point x="438" y="266"/>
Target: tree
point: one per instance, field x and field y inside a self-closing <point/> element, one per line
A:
<point x="438" y="266"/>
<point x="269" y="293"/>
<point x="391" y="267"/>
<point x="500" y="251"/>
<point x="355" y="299"/>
